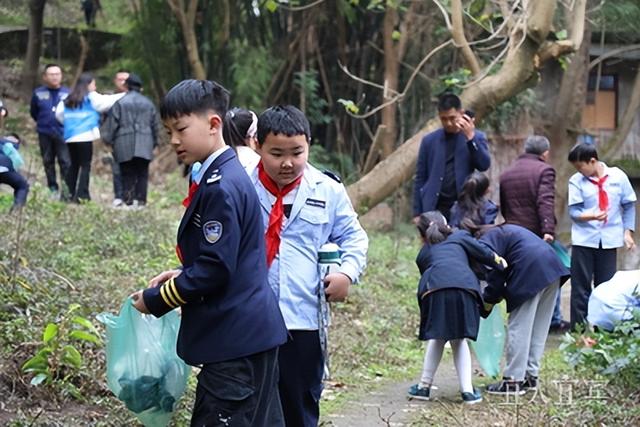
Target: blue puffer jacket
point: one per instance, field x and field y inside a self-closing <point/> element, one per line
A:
<point x="43" y="109"/>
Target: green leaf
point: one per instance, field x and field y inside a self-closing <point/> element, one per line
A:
<point x="49" y="332"/>
<point x="85" y="336"/>
<point x="349" y="105"/>
<point x="395" y="35"/>
<point x="38" y="379"/>
<point x="72" y="356"/>
<point x="561" y="35"/>
<point x="85" y="323"/>
<point x="271" y="5"/>
<point x="37" y="363"/>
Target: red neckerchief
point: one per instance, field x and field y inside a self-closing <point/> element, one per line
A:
<point x="192" y="191"/>
<point x="272" y="235"/>
<point x="186" y="202"/>
<point x="603" y="198"/>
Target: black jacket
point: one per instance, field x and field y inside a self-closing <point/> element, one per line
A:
<point x="229" y="310"/>
<point x="533" y="265"/>
<point x="446" y="264"/>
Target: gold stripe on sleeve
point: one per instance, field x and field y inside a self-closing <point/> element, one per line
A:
<point x="165" y="297"/>
<point x="172" y="287"/>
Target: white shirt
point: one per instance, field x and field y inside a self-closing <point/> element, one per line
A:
<point x="614" y="301"/>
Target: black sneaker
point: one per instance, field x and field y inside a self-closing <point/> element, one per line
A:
<point x="506" y="386"/>
<point x="530" y="383"/>
<point x="472" y="398"/>
<point x="420" y="393"/>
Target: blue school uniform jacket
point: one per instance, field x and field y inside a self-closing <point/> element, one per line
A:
<point x="321" y="212"/>
<point x="228" y="309"/>
<point x="469" y="155"/>
<point x="446" y="264"/>
<point x="533" y="265"/>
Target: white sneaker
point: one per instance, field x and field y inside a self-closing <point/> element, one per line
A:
<point x="117" y="203"/>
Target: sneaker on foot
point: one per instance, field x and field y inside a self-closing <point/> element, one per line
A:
<point x="417" y="392"/>
<point x="530" y="383"/>
<point x="506" y="386"/>
<point x="472" y="398"/>
<point x="117" y="203"/>
<point x="563" y="326"/>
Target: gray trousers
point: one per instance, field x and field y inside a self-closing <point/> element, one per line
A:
<point x="527" y="331"/>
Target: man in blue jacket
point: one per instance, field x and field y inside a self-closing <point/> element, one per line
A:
<point x="43" y="110"/>
<point x="447" y="157"/>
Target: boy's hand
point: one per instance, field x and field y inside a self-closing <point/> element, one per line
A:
<point x="594" y="216"/>
<point x="163" y="277"/>
<point x="337" y="287"/>
<point x="548" y="238"/>
<point x="629" y="243"/>
<point x="138" y="302"/>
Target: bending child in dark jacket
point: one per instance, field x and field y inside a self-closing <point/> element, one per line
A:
<point x="450" y="298"/>
<point x="529" y="286"/>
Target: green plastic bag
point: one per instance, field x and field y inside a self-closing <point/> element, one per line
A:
<point x="143" y="369"/>
<point x="490" y="343"/>
<point x="562" y="253"/>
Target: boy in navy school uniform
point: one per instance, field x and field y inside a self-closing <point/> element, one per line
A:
<point x="231" y="324"/>
<point x="302" y="209"/>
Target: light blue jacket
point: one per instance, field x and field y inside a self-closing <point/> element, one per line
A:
<point x="321" y="213"/>
<point x="621" y="214"/>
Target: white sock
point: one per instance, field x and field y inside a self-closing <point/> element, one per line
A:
<point x="462" y="360"/>
<point x="432" y="356"/>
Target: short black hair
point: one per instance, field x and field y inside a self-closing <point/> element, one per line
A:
<point x="447" y="101"/>
<point x="50" y="65"/>
<point x="283" y="119"/>
<point x="195" y="97"/>
<point x="583" y="152"/>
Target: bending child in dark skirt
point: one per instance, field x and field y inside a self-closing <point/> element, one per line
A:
<point x="450" y="299"/>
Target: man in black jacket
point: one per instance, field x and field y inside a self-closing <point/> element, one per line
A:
<point x="132" y="129"/>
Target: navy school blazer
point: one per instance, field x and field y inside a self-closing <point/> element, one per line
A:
<point x="533" y="265"/>
<point x="469" y="155"/>
<point x="228" y="309"/>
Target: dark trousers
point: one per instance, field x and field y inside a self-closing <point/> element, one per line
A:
<point x="239" y="392"/>
<point x="19" y="185"/>
<point x="117" y="180"/>
<point x="587" y="264"/>
<point x="50" y="148"/>
<point x="301" y="368"/>
<point x="80" y="170"/>
<point x="135" y="177"/>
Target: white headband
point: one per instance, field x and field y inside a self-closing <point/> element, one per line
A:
<point x="253" y="129"/>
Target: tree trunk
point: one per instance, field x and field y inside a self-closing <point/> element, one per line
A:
<point x="34" y="47"/>
<point x="391" y="71"/>
<point x="518" y="72"/>
<point x="187" y="20"/>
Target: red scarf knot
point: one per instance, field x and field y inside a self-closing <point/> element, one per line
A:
<point x="276" y="217"/>
<point x="603" y="198"/>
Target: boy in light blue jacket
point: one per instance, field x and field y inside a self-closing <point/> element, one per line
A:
<point x="302" y="208"/>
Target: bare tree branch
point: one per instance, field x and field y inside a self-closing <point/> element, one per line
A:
<point x="457" y="32"/>
<point x="299" y="8"/>
<point x="400" y="95"/>
<point x="613" y="53"/>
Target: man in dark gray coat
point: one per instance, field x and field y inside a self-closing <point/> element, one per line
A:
<point x="132" y="129"/>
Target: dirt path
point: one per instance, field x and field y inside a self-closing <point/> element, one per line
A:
<point x="389" y="406"/>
